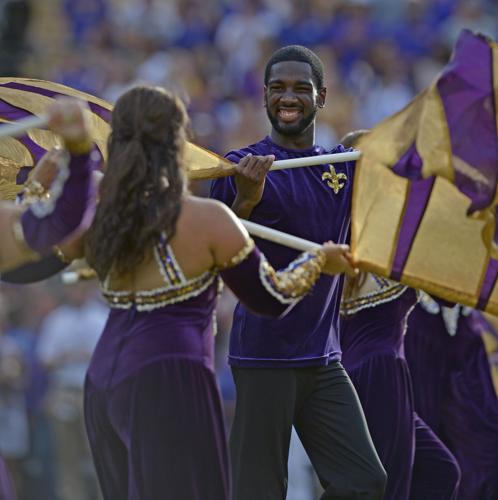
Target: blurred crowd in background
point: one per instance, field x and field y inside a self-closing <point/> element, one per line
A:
<point x="377" y="53"/>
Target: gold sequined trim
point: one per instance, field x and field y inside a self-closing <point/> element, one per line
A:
<point x="296" y="280"/>
<point x="349" y="307"/>
<point x="34" y="191"/>
<point x="240" y="256"/>
<point x="147" y="300"/>
<point x="168" y="266"/>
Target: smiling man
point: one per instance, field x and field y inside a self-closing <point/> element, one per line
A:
<point x="288" y="372"/>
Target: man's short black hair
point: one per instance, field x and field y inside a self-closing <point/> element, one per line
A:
<point x="297" y="53"/>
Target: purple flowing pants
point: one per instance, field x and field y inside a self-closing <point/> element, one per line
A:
<point x="159" y="434"/>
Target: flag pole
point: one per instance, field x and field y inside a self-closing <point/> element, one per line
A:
<point x="279" y="237"/>
<point x="285" y="239"/>
<point x="20" y="127"/>
<point x="309" y="161"/>
<point x="225" y="168"/>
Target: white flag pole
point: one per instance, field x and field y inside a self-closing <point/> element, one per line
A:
<point x="308" y="161"/>
<point x="18" y="128"/>
<point x="71" y="277"/>
<point x="279" y="237"/>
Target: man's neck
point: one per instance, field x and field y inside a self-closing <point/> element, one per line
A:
<point x="304" y="140"/>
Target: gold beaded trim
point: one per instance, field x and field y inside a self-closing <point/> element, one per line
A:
<point x="34" y="191"/>
<point x="167" y="264"/>
<point x="240" y="256"/>
<point x="177" y="289"/>
<point x="296" y="280"/>
<point x="146" y="300"/>
<point x="381" y="296"/>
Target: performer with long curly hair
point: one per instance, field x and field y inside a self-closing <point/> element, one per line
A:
<point x="152" y="406"/>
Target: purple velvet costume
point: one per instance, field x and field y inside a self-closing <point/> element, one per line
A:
<point x="453" y="391"/>
<point x="152" y="406"/>
<point x="418" y="465"/>
<point x="7" y="491"/>
<point x="71" y="208"/>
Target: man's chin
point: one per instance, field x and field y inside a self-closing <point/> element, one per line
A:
<point x="290" y="129"/>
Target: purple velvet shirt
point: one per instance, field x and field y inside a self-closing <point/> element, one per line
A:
<point x="298" y="202"/>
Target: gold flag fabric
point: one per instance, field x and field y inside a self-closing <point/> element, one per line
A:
<point x="425" y="186"/>
<point x="24" y="97"/>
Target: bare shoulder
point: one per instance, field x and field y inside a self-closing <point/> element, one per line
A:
<point x="208" y="205"/>
<point x="208" y="214"/>
<point x="215" y="222"/>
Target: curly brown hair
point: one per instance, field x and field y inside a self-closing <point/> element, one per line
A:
<point x="143" y="184"/>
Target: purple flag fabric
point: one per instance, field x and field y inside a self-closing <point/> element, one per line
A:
<point x="427" y="181"/>
<point x="21" y="98"/>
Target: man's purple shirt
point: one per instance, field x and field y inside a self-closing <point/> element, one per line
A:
<point x="299" y="202"/>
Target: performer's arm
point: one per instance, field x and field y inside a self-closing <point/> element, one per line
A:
<point x="37" y="188"/>
<point x="32" y="272"/>
<point x="266" y="291"/>
<point x="70" y="205"/>
<point x="252" y="278"/>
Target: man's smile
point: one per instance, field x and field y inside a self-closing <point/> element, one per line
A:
<point x="289" y="115"/>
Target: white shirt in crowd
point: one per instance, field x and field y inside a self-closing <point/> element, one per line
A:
<point x="68" y="337"/>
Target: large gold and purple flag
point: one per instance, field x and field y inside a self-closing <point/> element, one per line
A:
<point x="23" y="97"/>
<point x="424" y="197"/>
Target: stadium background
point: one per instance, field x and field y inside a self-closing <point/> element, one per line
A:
<point x="377" y="53"/>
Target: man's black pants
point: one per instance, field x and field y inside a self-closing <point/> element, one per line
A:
<point x="324" y="408"/>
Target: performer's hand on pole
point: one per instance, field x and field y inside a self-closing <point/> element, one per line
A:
<point x="339" y="259"/>
<point x="250" y="181"/>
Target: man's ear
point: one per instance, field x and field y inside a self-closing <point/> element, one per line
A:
<point x="322" y="95"/>
<point x="265" y="100"/>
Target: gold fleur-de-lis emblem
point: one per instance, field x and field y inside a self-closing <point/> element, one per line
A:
<point x="333" y="179"/>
